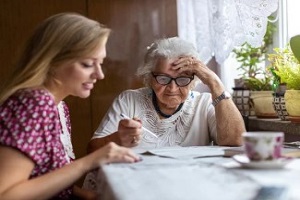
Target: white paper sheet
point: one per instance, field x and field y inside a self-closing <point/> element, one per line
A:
<point x="188" y="153"/>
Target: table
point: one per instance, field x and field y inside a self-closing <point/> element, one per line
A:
<point x="191" y="173"/>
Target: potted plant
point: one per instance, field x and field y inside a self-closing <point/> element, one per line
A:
<point x="262" y="95"/>
<point x="285" y="64"/>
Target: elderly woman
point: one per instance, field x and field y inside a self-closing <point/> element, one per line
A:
<point x="168" y="106"/>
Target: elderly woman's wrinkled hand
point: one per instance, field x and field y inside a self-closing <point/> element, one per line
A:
<point x="129" y="131"/>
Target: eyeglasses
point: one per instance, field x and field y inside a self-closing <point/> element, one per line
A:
<point x="165" y="80"/>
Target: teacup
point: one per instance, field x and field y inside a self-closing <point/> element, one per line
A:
<point x="263" y="145"/>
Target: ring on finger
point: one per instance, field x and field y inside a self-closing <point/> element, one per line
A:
<point x="134" y="140"/>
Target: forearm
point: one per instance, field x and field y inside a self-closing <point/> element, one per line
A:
<point x="229" y="121"/>
<point x="97" y="143"/>
<point x="48" y="185"/>
<point x="230" y="124"/>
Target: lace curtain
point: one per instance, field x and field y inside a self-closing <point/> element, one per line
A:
<point x="215" y="27"/>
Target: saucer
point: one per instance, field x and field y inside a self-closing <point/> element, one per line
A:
<point x="270" y="164"/>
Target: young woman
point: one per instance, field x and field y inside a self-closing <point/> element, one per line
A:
<point x="63" y="57"/>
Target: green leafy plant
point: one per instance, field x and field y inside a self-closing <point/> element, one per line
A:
<point x="250" y="59"/>
<point x="257" y="84"/>
<point x="285" y="67"/>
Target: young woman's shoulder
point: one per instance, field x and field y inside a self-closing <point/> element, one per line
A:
<point x="39" y="96"/>
<point x="29" y="102"/>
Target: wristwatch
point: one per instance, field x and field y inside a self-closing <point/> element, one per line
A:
<point x="224" y="95"/>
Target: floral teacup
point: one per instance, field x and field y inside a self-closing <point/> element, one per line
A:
<point x="263" y="146"/>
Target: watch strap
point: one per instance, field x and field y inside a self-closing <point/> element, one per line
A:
<point x="224" y="95"/>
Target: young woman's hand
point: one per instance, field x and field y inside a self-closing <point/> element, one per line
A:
<point x="112" y="153"/>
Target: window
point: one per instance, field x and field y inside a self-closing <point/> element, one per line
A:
<point x="287" y="17"/>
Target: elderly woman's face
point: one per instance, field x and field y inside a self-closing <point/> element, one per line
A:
<point x="170" y="95"/>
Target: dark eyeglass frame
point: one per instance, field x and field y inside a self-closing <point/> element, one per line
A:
<point x="171" y="78"/>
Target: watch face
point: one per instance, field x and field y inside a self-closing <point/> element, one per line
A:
<point x="227" y="95"/>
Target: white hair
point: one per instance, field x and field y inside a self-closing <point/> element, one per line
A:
<point x="167" y="48"/>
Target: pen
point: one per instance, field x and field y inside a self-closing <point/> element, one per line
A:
<point x="126" y="117"/>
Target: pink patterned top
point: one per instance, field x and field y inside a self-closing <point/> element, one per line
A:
<point x="29" y="122"/>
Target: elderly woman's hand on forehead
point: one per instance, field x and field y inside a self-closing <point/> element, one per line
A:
<point x="195" y="66"/>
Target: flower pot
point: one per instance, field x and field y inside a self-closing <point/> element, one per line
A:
<point x="263" y="104"/>
<point x="292" y="103"/>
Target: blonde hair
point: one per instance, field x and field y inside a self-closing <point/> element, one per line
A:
<point x="166" y="48"/>
<point x="59" y="39"/>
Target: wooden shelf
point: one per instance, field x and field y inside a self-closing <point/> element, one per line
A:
<point x="291" y="130"/>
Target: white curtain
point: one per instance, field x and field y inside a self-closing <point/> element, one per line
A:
<point x="215" y="27"/>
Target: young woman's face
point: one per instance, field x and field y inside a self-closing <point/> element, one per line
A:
<point x="78" y="78"/>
